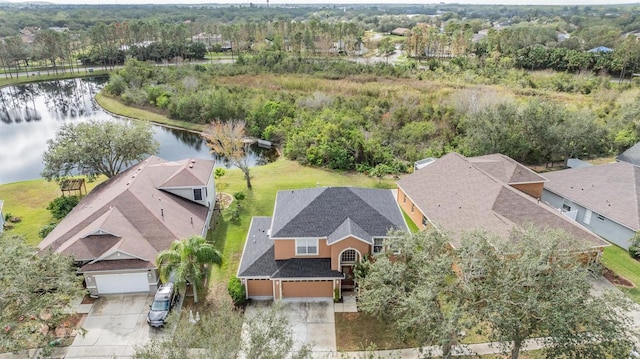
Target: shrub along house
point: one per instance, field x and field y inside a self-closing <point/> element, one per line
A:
<point x="493" y="193"/>
<point x="116" y="232"/>
<point x="315" y="237"/>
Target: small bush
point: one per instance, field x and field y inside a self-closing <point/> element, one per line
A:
<point x="634" y="246"/>
<point x="61" y="206"/>
<point x="239" y="196"/>
<point x="46" y="229"/>
<point x="236" y="291"/>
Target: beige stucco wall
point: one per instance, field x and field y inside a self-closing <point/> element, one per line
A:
<point x="338" y="247"/>
<point x="259" y="288"/>
<point x="307" y="289"/>
<point x="532" y="189"/>
<point x="286" y="248"/>
<point x="405" y="203"/>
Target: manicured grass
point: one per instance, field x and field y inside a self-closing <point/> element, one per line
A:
<point x="371" y="333"/>
<point x="44" y="77"/>
<point x="267" y="180"/>
<point x="413" y="228"/>
<point x="116" y="107"/>
<point x="619" y="261"/>
<point x="28" y="200"/>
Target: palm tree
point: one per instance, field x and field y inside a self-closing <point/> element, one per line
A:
<point x="185" y="260"/>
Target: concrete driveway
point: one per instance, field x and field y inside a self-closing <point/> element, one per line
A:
<point x="312" y="322"/>
<point x="115" y="325"/>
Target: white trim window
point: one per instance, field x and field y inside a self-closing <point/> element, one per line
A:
<point x="378" y="245"/>
<point x="587" y="216"/>
<point x="197" y="194"/>
<point x="307" y="246"/>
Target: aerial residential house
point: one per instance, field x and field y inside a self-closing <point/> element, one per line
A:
<point x="401" y="31"/>
<point x="492" y="193"/>
<point x="315" y="237"/>
<point x="116" y="232"/>
<point x="603" y="198"/>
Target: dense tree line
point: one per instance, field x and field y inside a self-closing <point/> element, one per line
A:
<point x="521" y="37"/>
<point x="343" y="115"/>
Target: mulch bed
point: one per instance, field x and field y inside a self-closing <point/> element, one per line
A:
<point x="617" y="279"/>
<point x="224" y="200"/>
<point x="88" y="300"/>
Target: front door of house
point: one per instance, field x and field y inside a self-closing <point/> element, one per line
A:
<point x="347" y="282"/>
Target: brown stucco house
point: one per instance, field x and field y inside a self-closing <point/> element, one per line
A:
<point x="308" y="248"/>
<point x="493" y="193"/>
<point x="116" y="232"/>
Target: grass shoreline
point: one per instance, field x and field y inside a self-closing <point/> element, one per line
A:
<point x="116" y="108"/>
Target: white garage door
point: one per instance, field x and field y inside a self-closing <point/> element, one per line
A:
<point x="122" y="283"/>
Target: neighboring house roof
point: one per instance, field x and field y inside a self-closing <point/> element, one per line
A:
<point x="400" y="31"/>
<point x="506" y="169"/>
<point x="422" y="163"/>
<point x="612" y="190"/>
<point x="335" y="213"/>
<point x="466" y="194"/>
<point x="131" y="217"/>
<point x="600" y="49"/>
<point x="631" y="155"/>
<point x="577" y="163"/>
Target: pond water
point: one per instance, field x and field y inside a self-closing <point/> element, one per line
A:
<point x="31" y="114"/>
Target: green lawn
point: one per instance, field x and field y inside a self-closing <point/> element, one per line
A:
<point x="619" y="261"/>
<point x="372" y="334"/>
<point x="266" y="181"/>
<point x="28" y="200"/>
<point x="114" y="106"/>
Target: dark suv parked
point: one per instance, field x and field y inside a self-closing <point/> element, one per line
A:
<point x="165" y="298"/>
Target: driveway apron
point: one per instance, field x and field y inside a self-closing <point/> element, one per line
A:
<point x="115" y="325"/>
<point x="312" y="322"/>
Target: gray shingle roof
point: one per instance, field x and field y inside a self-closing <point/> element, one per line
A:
<point x="631" y="155"/>
<point x="457" y="196"/>
<point x="258" y="254"/>
<point x="319" y="212"/>
<point x="306" y="268"/>
<point x="258" y="258"/>
<point x="612" y="190"/>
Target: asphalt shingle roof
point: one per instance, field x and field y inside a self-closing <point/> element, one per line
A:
<point x="132" y="207"/>
<point x="319" y="212"/>
<point x="332" y="212"/>
<point x="631" y="155"/>
<point x="258" y="257"/>
<point x="612" y="190"/>
<point x="306" y="268"/>
<point x="458" y="196"/>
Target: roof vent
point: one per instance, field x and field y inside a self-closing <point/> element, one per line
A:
<point x="191" y="166"/>
<point x="128" y="183"/>
<point x="193" y="161"/>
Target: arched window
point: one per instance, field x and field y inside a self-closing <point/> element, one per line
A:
<point x="348" y="256"/>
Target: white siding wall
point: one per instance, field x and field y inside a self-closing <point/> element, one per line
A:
<point x="605" y="228"/>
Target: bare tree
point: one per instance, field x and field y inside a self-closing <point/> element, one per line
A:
<point x="227" y="139"/>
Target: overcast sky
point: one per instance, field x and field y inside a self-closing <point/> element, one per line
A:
<point x="281" y="2"/>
